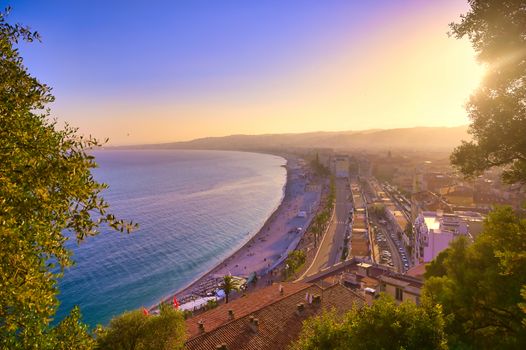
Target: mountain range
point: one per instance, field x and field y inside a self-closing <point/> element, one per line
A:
<point x="416" y="138"/>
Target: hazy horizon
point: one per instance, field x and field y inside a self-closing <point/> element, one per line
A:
<point x="357" y="131"/>
<point x="171" y="72"/>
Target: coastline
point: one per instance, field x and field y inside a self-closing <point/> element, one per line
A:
<point x="276" y="227"/>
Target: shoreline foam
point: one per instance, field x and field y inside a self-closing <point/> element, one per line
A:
<point x="281" y="212"/>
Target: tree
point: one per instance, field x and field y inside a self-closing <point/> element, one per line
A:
<point x="497" y="30"/>
<point x="229" y="285"/>
<point x="47" y="189"/>
<point x="408" y="230"/>
<point x="378" y="210"/>
<point x="136" y="331"/>
<point x="294" y="261"/>
<point x="384" y="325"/>
<point x="318" y="168"/>
<point x="71" y="333"/>
<point x="479" y="285"/>
<point x="319" y="222"/>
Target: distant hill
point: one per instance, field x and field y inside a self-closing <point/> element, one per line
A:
<point x="418" y="138"/>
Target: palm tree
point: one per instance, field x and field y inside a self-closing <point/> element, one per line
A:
<point x="229" y="285"/>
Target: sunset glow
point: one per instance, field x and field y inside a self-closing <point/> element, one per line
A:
<point x="263" y="69"/>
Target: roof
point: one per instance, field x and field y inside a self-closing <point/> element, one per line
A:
<point x="417" y="271"/>
<point x="364" y="265"/>
<point x="369" y="282"/>
<point x="279" y="321"/>
<point x="374" y="273"/>
<point x="394" y="281"/>
<point x="242" y="306"/>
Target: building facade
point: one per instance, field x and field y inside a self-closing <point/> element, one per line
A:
<point x="433" y="233"/>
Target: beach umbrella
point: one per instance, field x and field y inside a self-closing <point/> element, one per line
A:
<point x="220" y="294"/>
<point x="144" y="311"/>
<point x="176" y="303"/>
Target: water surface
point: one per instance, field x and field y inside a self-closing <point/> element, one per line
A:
<point x="194" y="209"/>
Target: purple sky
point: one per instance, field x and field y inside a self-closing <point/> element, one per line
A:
<point x="159" y="70"/>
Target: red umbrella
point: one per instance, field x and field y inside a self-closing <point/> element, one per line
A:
<point x="176" y="303"/>
<point x="144" y="311"/>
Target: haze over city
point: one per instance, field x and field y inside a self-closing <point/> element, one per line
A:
<point x="173" y="71"/>
<point x="280" y="174"/>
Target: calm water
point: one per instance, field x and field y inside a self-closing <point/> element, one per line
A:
<point x="194" y="208"/>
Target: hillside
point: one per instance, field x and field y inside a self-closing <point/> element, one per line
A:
<point x="419" y="138"/>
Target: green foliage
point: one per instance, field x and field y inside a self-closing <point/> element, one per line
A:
<point x="408" y="230"/>
<point x="487" y="313"/>
<point x="345" y="250"/>
<point x="135" y="331"/>
<point x="331" y="198"/>
<point x="294" y="261"/>
<point x="321" y="220"/>
<point x="321" y="332"/>
<point x="71" y="333"/>
<point x="479" y="285"/>
<point x="384" y="325"/>
<point x="436" y="266"/>
<point x="378" y="210"/>
<point x="229" y="285"/>
<point x="319" y="223"/>
<point x="497" y="30"/>
<point x="211" y="304"/>
<point x="318" y="168"/>
<point x="46" y="189"/>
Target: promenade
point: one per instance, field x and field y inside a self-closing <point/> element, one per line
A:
<point x="270" y="246"/>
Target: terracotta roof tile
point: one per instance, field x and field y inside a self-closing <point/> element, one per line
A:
<point x="241" y="307"/>
<point x="279" y="322"/>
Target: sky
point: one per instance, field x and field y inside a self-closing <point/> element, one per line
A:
<point x="161" y="71"/>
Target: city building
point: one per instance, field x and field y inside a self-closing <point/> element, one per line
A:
<point x="433" y="233"/>
<point x="358" y="244"/>
<point x="371" y="279"/>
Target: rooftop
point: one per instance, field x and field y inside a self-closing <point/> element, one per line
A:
<point x="242" y="306"/>
<point x="272" y="325"/>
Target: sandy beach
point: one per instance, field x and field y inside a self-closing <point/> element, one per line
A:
<point x="280" y="234"/>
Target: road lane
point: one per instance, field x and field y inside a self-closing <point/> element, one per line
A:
<point x="330" y="248"/>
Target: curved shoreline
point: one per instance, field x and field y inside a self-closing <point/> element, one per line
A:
<point x="273" y="239"/>
<point x="216" y="268"/>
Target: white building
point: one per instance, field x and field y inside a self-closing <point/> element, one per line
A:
<point x="433" y="233"/>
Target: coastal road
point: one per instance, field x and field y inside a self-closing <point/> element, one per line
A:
<point x="330" y="248"/>
<point x="386" y="230"/>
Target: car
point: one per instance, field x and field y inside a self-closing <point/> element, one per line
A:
<point x="401" y="249"/>
<point x="406" y="265"/>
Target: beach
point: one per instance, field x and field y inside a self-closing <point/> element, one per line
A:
<point x="269" y="247"/>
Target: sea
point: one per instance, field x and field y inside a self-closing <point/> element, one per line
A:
<point x="194" y="208"/>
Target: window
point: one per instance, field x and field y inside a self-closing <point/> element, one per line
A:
<point x="399" y="294"/>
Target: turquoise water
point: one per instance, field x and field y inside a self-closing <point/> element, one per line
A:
<point x="194" y="209"/>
